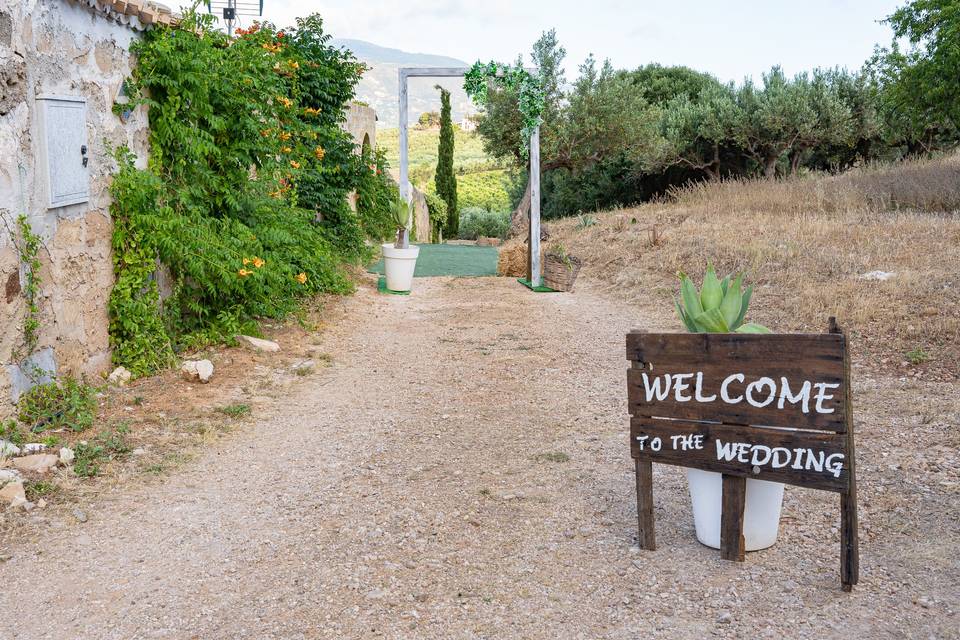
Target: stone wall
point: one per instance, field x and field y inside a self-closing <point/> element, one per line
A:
<point x="361" y="123"/>
<point x="73" y="50"/>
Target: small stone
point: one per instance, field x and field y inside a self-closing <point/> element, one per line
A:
<point x="34" y="447"/>
<point x="119" y="376"/>
<point x="569" y="534"/>
<point x="41" y="503"/>
<point x="376" y="594"/>
<point x="9" y="475"/>
<point x="79" y="515"/>
<point x="20" y="502"/>
<point x="66" y="455"/>
<point x="258" y="344"/>
<point x="725" y="617"/>
<point x="197" y="370"/>
<point x="11" y="491"/>
<point x="37" y="463"/>
<point x="882" y="276"/>
<point x="139" y="451"/>
<point x="8" y="449"/>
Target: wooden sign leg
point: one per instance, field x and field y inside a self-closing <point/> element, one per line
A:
<point x="849" y="540"/>
<point x="646" y="538"/>
<point x="733" y="501"/>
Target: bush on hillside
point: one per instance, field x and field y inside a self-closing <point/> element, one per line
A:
<point x="476" y="222"/>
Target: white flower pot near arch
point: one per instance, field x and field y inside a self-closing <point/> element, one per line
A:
<point x="761" y="513"/>
<point x="400" y="257"/>
<point x="399" y="265"/>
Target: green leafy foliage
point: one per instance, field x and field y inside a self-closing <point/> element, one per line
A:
<point x="476" y="222"/>
<point x="110" y="444"/>
<point x="65" y="404"/>
<point x="29" y="249"/>
<point x="244" y="202"/>
<point x="438" y="215"/>
<point x="376" y="195"/>
<point x="445" y="179"/>
<point x="616" y="137"/>
<point x="719" y="307"/>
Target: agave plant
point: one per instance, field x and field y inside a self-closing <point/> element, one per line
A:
<point x="719" y="306"/>
<point x="402" y="218"/>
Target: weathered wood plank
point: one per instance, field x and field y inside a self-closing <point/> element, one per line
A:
<point x="849" y="520"/>
<point x="646" y="538"/>
<point x="734" y="499"/>
<point x="693" y="348"/>
<point x="797" y="469"/>
<point x="775" y="380"/>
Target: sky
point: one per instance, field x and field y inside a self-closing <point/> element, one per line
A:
<point x="731" y="39"/>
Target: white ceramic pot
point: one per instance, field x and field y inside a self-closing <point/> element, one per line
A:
<point x="761" y="514"/>
<point x="399" y="265"/>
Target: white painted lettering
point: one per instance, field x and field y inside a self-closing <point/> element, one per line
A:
<point x="698" y="390"/>
<point x="679" y="386"/>
<point x="724" y="392"/>
<point x="755" y="386"/>
<point x="786" y="396"/>
<point x="822" y="395"/>
<point x="653" y="390"/>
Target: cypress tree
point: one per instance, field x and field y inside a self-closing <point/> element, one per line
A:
<point x="446" y="180"/>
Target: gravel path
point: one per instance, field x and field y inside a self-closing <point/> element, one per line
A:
<point x="462" y="471"/>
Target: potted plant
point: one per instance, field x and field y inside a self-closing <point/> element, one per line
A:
<point x="560" y="269"/>
<point x="400" y="257"/>
<point x="720" y="307"/>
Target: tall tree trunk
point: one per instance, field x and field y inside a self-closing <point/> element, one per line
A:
<point x="770" y="167"/>
<point x="521" y="215"/>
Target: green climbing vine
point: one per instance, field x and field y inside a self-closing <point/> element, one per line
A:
<point x="27" y="244"/>
<point x="29" y="250"/>
<point x="531" y="98"/>
<point x="243" y="205"/>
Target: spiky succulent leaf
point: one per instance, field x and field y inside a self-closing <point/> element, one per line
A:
<point x="691" y="299"/>
<point x="724" y="284"/>
<point x="687" y="321"/>
<point x="752" y="327"/>
<point x="731" y="303"/>
<point x="710" y="293"/>
<point x="711" y="321"/>
<point x="744" y="303"/>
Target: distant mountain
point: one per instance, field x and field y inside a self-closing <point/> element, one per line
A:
<point x="379" y="86"/>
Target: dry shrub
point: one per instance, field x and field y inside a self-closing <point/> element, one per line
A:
<point x="915" y="185"/>
<point x="512" y="261"/>
<point x="805" y="244"/>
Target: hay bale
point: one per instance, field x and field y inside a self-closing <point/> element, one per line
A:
<point x="512" y="261"/>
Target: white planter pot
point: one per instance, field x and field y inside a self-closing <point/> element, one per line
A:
<point x="761" y="514"/>
<point x="399" y="265"/>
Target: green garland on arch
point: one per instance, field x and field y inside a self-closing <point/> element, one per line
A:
<point x="531" y="98"/>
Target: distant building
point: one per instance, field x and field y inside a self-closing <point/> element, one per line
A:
<point x="467" y="124"/>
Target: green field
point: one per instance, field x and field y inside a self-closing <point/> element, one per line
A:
<point x="467" y="147"/>
<point x="481" y="181"/>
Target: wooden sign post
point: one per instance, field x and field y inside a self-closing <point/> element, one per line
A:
<point x="772" y="407"/>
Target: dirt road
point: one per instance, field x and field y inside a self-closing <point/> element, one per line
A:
<point x="462" y="471"/>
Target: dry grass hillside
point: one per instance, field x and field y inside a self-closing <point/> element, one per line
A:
<point x="806" y="244"/>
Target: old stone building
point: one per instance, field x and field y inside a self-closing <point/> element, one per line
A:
<point x="62" y="67"/>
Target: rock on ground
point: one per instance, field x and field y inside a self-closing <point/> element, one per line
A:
<point x="37" y="463"/>
<point x="11" y="491"/>
<point x="119" y="376"/>
<point x="197" y="370"/>
<point x="258" y="344"/>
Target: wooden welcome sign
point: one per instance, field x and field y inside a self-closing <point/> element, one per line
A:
<point x="772" y="407"/>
